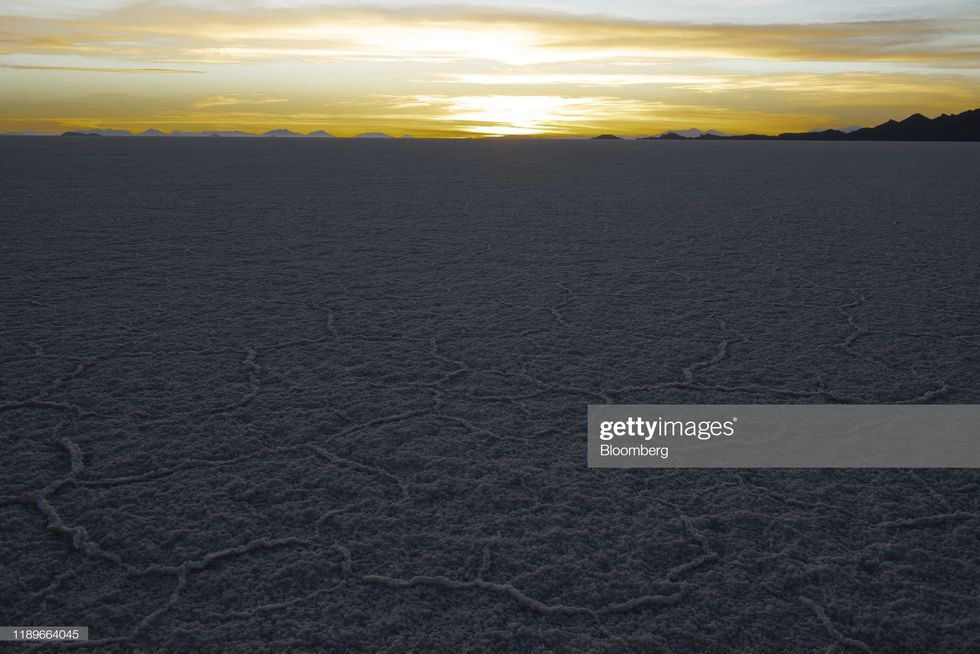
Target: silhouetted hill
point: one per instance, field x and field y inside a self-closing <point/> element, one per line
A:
<point x="695" y="133"/>
<point x="110" y="132"/>
<point x="958" y="127"/>
<point x="70" y="133"/>
<point x="825" y="135"/>
<point x="690" y="134"/>
<point x="606" y="137"/>
<point x="282" y="133"/>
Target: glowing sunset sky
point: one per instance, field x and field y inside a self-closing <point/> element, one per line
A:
<point x="486" y="67"/>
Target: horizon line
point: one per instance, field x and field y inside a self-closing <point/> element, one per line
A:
<point x="691" y="133"/>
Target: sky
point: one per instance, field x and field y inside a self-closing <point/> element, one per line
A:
<point x="484" y="68"/>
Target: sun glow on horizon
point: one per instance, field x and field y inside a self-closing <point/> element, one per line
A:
<point x="522" y="115"/>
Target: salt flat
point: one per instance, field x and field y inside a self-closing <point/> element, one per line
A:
<point x="269" y="395"/>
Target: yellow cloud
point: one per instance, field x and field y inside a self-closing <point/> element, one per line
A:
<point x="102" y="70"/>
<point x="234" y="100"/>
<point x="584" y="79"/>
<point x="179" y="33"/>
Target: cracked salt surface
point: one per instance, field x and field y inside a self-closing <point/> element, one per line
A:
<point x="269" y="396"/>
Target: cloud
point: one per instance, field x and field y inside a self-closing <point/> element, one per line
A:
<point x="102" y="70"/>
<point x="174" y="33"/>
<point x="581" y="79"/>
<point x="813" y="86"/>
<point x="234" y="99"/>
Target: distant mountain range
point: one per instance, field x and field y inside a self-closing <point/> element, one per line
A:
<point x="272" y="133"/>
<point x="957" y="127"/>
<point x="846" y="130"/>
<point x="692" y="133"/>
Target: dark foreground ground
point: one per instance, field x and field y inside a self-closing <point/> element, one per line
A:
<point x="281" y="396"/>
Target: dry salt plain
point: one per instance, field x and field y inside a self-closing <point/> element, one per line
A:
<point x="293" y="396"/>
